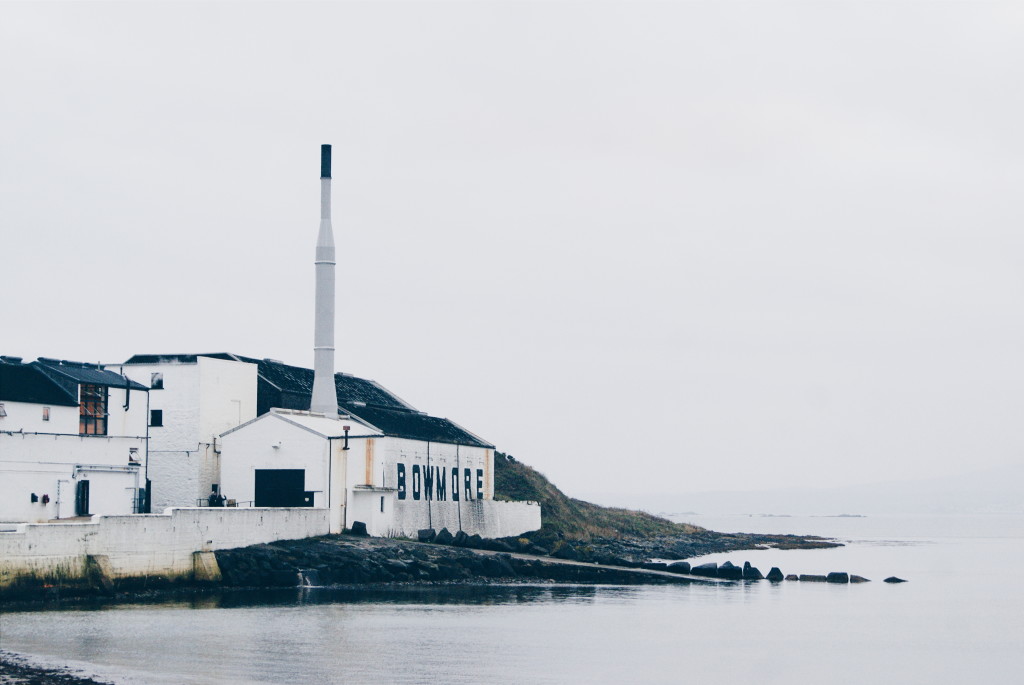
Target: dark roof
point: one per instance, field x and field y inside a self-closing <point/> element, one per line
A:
<point x="70" y="374"/>
<point x="26" y="383"/>
<point x="285" y="386"/>
<point x="414" y="425"/>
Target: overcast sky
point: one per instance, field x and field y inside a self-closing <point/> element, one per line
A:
<point x="640" y="246"/>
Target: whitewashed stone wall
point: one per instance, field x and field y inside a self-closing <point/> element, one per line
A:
<point x="148" y="544"/>
<point x="487" y="518"/>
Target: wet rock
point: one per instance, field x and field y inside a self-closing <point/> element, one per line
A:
<point x="708" y="570"/>
<point x="475" y="542"/>
<point x="679" y="567"/>
<point x="751" y="572"/>
<point x="775" y="575"/>
<point x="460" y="539"/>
<point x="808" y="578"/>
<point x="444" y="537"/>
<point x="426" y="534"/>
<point x="838" y="577"/>
<point x="894" y="579"/>
<point x="358" y="528"/>
<point x="792" y="576"/>
<point x="730" y="571"/>
<point x="859" y="579"/>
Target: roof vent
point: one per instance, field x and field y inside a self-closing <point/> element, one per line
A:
<point x="9" y="359"/>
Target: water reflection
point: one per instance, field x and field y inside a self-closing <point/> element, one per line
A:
<point x="464" y="594"/>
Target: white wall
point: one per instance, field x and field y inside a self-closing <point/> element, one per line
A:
<point x="199" y="401"/>
<point x="28" y="417"/>
<point x="52" y="464"/>
<point x="151" y="544"/>
<point x="253" y="447"/>
<point x="487" y="518"/>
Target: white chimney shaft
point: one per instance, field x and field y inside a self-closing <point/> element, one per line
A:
<point x="325" y="394"/>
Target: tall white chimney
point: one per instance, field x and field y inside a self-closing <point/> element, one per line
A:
<point x="325" y="394"/>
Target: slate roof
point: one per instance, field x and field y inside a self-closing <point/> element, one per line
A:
<point x="27" y="383"/>
<point x="284" y="386"/>
<point x="69" y="374"/>
<point x="415" y="425"/>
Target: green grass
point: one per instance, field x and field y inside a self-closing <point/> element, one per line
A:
<point x="563" y="517"/>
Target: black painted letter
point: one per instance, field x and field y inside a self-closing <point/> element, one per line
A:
<point x="415" y="481"/>
<point x="479" y="483"/>
<point x="401" y="481"/>
<point x="455" y="484"/>
<point x="468" y="480"/>
<point x="441" y="482"/>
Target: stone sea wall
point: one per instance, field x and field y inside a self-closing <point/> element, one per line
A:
<point x="167" y="545"/>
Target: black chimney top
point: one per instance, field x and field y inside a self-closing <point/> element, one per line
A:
<point x="325" y="161"/>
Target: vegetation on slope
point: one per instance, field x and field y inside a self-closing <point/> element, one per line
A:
<point x="563" y="517"/>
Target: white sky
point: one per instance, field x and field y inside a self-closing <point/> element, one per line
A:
<point x="640" y="246"/>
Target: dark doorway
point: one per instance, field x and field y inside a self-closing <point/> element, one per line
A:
<point x="82" y="498"/>
<point x="281" y="488"/>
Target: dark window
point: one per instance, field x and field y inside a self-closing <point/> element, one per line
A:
<point x="156" y="417"/>
<point x="46" y="413"/>
<point x="92" y="414"/>
<point x="156" y="381"/>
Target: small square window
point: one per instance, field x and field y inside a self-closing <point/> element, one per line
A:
<point x="156" y="381"/>
<point x="156" y="417"/>
<point x="133" y="455"/>
<point x="46" y="413"/>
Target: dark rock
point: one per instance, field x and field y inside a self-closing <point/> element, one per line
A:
<point x="358" y="528"/>
<point x="792" y="576"/>
<point x="539" y="551"/>
<point x="708" y="570"/>
<point x="427" y="534"/>
<point x="807" y="578"/>
<point x="444" y="537"/>
<point x="859" y="579"/>
<point x="460" y="539"/>
<point x="654" y="566"/>
<point x="751" y="572"/>
<point x="894" y="579"/>
<point x="730" y="571"/>
<point x="838" y="577"/>
<point x="566" y="551"/>
<point x="679" y="567"/>
<point x="775" y="575"/>
<point x="475" y="542"/>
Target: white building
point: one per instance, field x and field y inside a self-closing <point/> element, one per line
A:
<point x="396" y="470"/>
<point x="72" y="441"/>
<point x="193" y="399"/>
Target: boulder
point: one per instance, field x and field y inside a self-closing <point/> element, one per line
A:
<point x="792" y="576"/>
<point x="730" y="571"/>
<point x="679" y="567"/>
<point x="808" y="578"/>
<point x="894" y="579"/>
<point x="654" y="566"/>
<point x="461" y="538"/>
<point x="444" y="537"/>
<point x="358" y="528"/>
<point x="841" y="577"/>
<point x="475" y="541"/>
<point x="426" y="534"/>
<point x="751" y="572"/>
<point x="708" y="570"/>
<point x="775" y="575"/>
<point x="859" y="579"/>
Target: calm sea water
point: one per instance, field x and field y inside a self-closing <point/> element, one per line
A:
<point x="959" y="619"/>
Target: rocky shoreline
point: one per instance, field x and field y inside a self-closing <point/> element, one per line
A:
<point x="15" y="670"/>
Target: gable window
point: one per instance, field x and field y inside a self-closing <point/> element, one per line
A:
<point x="156" y="417"/>
<point x="156" y="381"/>
<point x="46" y="413"/>
<point x="92" y="413"/>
